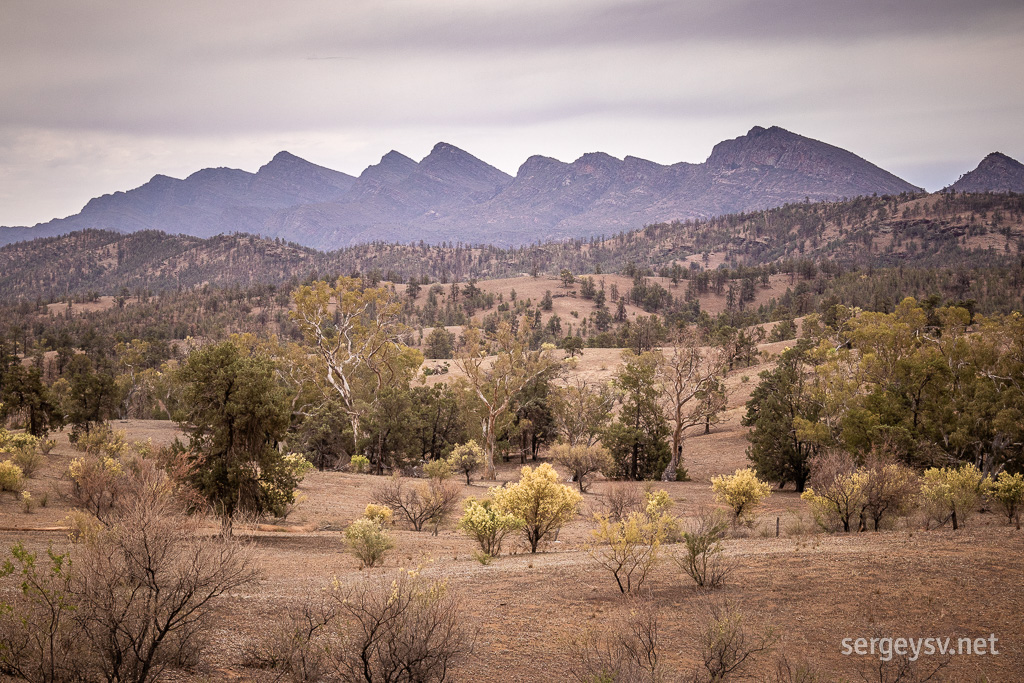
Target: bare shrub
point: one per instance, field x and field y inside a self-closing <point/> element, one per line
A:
<point x="891" y="489"/>
<point x="902" y="669"/>
<point x="727" y="645"/>
<point x="401" y="627"/>
<point x="794" y="672"/>
<point x="299" y="648"/>
<point x="703" y="560"/>
<point x="836" y="494"/>
<point x="131" y="599"/>
<point x="425" y="503"/>
<point x="622" y="499"/>
<point x="627" y="653"/>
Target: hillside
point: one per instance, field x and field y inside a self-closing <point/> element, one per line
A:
<point x="996" y="173"/>
<point x="908" y="230"/>
<point x="451" y="196"/>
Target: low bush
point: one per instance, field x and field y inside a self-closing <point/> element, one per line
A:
<point x="488" y="525"/>
<point x="368" y="541"/>
<point x="742" y="491"/>
<point x="11" y="476"/>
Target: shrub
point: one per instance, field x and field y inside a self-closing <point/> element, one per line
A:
<point x="628" y="653"/>
<point x="1007" y="490"/>
<point x="97" y="483"/>
<point x="299" y="645"/>
<point x="438" y="470"/>
<point x="10" y="476"/>
<point x="297" y="465"/>
<point x="488" y="525"/>
<point x="658" y="506"/>
<point x="727" y="646"/>
<point x="952" y="493"/>
<point x="742" y="492"/>
<point x="47" y="445"/>
<point x="10" y="443"/>
<point x="581" y="461"/>
<point x="24" y="451"/>
<point x="368" y="541"/>
<point x="891" y="489"/>
<point x="621" y="499"/>
<point x="102" y="440"/>
<point x="703" y="543"/>
<point x="28" y="504"/>
<point x="837" y="492"/>
<point x="359" y="464"/>
<point x="466" y="458"/>
<point x="125" y="601"/>
<point x="426" y="503"/>
<point x="398" y="628"/>
<point x="539" y="500"/>
<point x="628" y="548"/>
<point x="28" y="459"/>
<point x="377" y="513"/>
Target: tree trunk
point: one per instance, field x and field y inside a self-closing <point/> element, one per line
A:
<point x="490" y="474"/>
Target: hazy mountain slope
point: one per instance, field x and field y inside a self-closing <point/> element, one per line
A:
<point x="944" y="230"/>
<point x="996" y="173"/>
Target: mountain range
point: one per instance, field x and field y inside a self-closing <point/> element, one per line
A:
<point x="450" y="195"/>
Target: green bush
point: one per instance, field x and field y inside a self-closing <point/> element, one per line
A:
<point x="368" y="541"/>
<point x="359" y="464"/>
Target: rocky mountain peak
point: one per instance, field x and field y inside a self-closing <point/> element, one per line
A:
<point x="997" y="172"/>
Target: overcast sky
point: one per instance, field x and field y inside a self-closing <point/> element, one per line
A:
<point x="99" y="96"/>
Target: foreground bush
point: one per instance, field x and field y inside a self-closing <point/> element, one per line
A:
<point x="124" y="603"/>
<point x="702" y="560"/>
<point x="399" y="627"/>
<point x="741" y="491"/>
<point x="627" y="652"/>
<point x="482" y="520"/>
<point x="539" y="500"/>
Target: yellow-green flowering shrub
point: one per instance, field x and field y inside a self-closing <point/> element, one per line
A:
<point x="482" y="520"/>
<point x="466" y="458"/>
<point x="10" y="476"/>
<point x="359" y="464"/>
<point x="741" y="491"/>
<point x="378" y="513"/>
<point x="438" y="469"/>
<point x="952" y="493"/>
<point x="368" y="541"/>
<point x="628" y="548"/>
<point x="1007" y="491"/>
<point x="539" y="500"/>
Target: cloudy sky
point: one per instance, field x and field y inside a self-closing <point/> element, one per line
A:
<point x="99" y="96"/>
